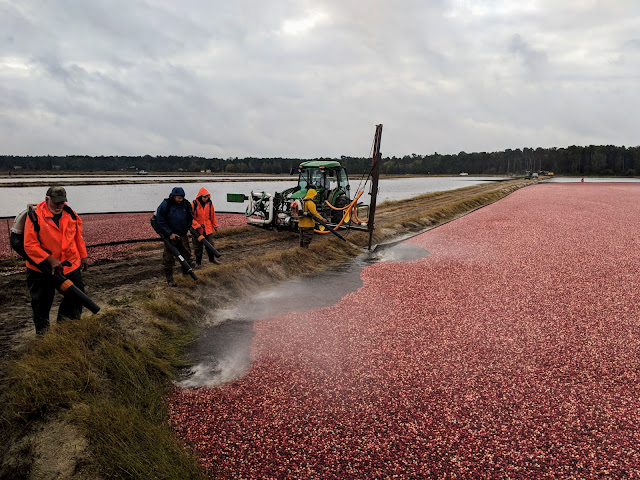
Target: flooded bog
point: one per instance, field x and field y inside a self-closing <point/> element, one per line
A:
<point x="222" y="352"/>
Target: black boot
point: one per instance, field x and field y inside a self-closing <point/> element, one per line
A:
<point x="170" y="279"/>
<point x="198" y="261"/>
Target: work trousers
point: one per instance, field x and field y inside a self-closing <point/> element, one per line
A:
<point x="198" y="247"/>
<point x="42" y="288"/>
<point x="306" y="235"/>
<point x="168" y="260"/>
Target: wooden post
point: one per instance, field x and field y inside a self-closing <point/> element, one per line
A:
<point x="375" y="175"/>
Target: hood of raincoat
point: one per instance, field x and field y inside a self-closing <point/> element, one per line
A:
<point x="311" y="193"/>
<point x="202" y="191"/>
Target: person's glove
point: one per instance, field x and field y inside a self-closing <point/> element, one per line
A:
<point x="54" y="263"/>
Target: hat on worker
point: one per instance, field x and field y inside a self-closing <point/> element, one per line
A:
<point x="177" y="192"/>
<point x="57" y="194"/>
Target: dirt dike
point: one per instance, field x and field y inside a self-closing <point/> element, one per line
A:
<point x="115" y="284"/>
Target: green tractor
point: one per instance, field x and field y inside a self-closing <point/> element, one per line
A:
<point x="281" y="210"/>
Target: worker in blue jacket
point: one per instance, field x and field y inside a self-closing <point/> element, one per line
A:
<point x="174" y="216"/>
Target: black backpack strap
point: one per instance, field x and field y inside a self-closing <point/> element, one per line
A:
<point x="70" y="211"/>
<point x="33" y="216"/>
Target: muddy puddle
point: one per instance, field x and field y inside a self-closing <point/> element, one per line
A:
<point x="222" y="352"/>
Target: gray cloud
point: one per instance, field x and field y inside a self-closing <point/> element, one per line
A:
<point x="533" y="59"/>
<point x="306" y="79"/>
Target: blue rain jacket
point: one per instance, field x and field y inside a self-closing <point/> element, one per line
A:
<point x="173" y="217"/>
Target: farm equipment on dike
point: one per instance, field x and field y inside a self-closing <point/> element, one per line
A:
<point x="334" y="200"/>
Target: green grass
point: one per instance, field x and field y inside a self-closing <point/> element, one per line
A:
<point x="111" y="387"/>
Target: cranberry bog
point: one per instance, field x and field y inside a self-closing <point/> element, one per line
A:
<point x="510" y="351"/>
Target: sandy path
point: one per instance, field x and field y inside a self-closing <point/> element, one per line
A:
<point x="512" y="351"/>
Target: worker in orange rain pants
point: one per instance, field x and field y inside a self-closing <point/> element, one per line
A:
<point x="204" y="221"/>
<point x="52" y="238"/>
<point x="307" y="222"/>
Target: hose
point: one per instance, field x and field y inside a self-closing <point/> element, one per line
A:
<point x="346" y="208"/>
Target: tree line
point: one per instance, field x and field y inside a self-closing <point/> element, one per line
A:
<point x="594" y="160"/>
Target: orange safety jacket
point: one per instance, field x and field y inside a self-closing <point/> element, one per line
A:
<point x="204" y="215"/>
<point x="64" y="242"/>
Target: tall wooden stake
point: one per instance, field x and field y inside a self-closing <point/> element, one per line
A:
<point x="375" y="176"/>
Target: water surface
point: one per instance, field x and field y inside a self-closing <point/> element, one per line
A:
<point x="146" y="197"/>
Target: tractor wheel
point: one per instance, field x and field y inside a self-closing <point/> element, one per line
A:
<point x="336" y="215"/>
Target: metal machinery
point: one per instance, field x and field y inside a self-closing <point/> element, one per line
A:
<point x="280" y="210"/>
<point x="334" y="200"/>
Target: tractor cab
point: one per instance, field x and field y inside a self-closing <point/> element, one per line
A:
<point x="328" y="178"/>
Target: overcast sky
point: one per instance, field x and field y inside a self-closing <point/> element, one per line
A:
<point x="305" y="79"/>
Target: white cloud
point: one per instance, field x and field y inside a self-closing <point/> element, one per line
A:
<point x="303" y="25"/>
<point x="308" y="79"/>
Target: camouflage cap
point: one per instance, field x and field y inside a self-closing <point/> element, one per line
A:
<point x="57" y="194"/>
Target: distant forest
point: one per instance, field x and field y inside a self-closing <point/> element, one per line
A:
<point x="592" y="160"/>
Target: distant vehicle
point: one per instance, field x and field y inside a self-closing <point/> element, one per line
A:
<point x="535" y="175"/>
<point x="527" y="175"/>
<point x="463" y="174"/>
<point x="142" y="172"/>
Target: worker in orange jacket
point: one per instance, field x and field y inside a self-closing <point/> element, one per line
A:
<point x="204" y="221"/>
<point x="55" y="238"/>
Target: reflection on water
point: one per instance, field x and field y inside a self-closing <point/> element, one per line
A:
<point x="146" y="197"/>
<point x="222" y="352"/>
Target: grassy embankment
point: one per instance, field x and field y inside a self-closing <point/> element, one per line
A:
<point x="95" y="388"/>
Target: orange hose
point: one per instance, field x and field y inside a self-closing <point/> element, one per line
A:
<point x="344" y="209"/>
<point x="354" y="215"/>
